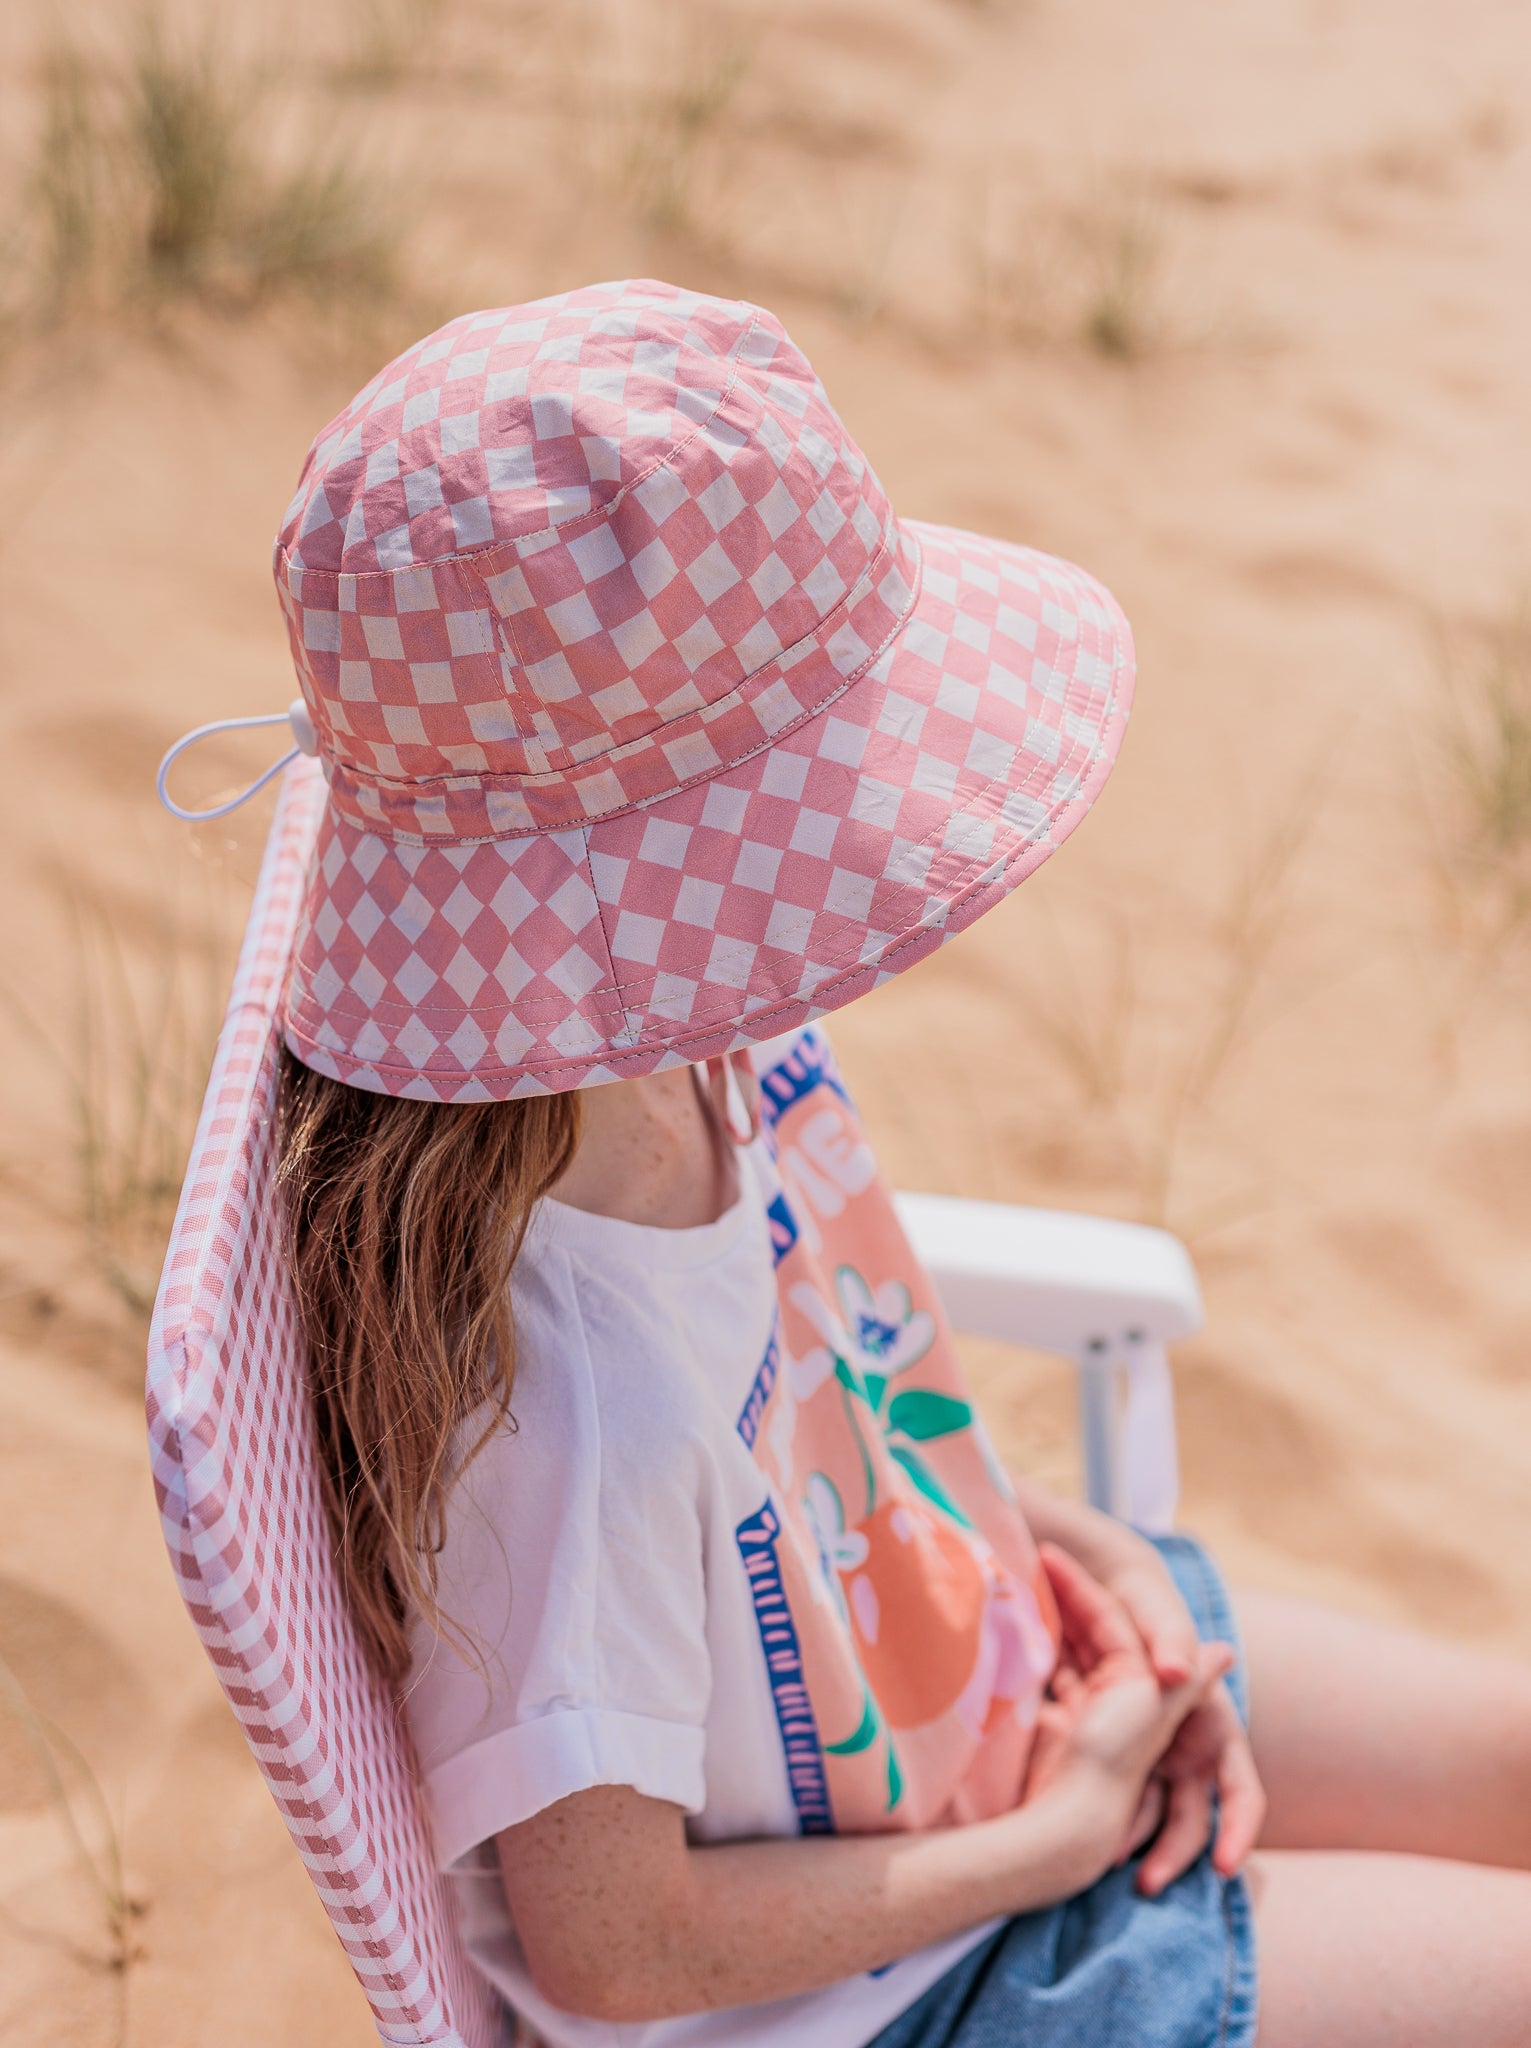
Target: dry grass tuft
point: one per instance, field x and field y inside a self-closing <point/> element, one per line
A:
<point x="1092" y="271"/>
<point x="1474" y="797"/>
<point x="388" y="39"/>
<point x="1087" y="1023"/>
<point x="158" y="172"/>
<point x="184" y="112"/>
<point x="143" y="1046"/>
<point x="1147" y="1053"/>
<point x="1123" y="317"/>
<point x="662" y="164"/>
<point x="1011" y="264"/>
<point x="663" y="145"/>
<point x="1488" y="741"/>
<point x="85" y="1815"/>
<point x="133" y="1070"/>
<point x="65" y="194"/>
<point x="1247" y="929"/>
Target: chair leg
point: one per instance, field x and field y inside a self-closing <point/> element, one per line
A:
<point x="1152" y="1455"/>
<point x="1100" y="1429"/>
<point x="1127" y="1432"/>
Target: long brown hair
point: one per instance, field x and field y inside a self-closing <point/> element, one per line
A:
<point x="404" y="1220"/>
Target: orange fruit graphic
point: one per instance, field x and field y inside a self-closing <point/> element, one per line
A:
<point x="917" y="1606"/>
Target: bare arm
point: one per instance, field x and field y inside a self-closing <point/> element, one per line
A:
<point x="622" y="1919"/>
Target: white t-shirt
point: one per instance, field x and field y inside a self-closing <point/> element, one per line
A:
<point x="745" y="1550"/>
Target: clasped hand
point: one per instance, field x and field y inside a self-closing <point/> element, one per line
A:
<point x="1147" y="1741"/>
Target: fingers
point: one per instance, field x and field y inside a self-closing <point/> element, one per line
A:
<point x="1095" y="1623"/>
<point x="1170" y="1657"/>
<point x="1065" y="1684"/>
<point x="1202" y="1737"/>
<point x="1210" y="1666"/>
<point x="1187" y="1826"/>
<point x="1212" y="1663"/>
<point x="1147" y="1820"/>
<point x="1241" y="1805"/>
<point x="1214" y="1660"/>
<point x="1049" y="1749"/>
<point x="1197" y="1745"/>
<point x="1162" y="1619"/>
<point x="1211" y="1748"/>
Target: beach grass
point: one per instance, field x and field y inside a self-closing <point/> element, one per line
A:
<point x="132" y="1063"/>
<point x="1487" y="738"/>
<point x="83" y="1812"/>
<point x="169" y="166"/>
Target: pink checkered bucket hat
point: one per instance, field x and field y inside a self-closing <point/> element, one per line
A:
<point x="649" y="731"/>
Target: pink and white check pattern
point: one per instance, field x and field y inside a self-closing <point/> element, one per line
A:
<point x="563" y="558"/>
<point x="649" y="730"/>
<point x="231" y="1443"/>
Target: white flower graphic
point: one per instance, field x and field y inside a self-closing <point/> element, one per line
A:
<point x="840" y="1549"/>
<point x="888" y="1332"/>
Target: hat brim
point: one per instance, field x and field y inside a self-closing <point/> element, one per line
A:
<point x="774" y="891"/>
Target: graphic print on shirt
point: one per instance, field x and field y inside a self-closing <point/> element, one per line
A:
<point x="907" y="1625"/>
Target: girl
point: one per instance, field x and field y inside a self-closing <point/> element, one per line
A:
<point x="753" y="1703"/>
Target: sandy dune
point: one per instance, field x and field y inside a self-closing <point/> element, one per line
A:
<point x="1227" y="302"/>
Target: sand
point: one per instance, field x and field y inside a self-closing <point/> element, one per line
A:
<point x="1265" y="997"/>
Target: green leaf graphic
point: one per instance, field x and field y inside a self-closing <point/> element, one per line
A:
<point x="849" y="1378"/>
<point x="864" y="1736"/>
<point x="928" y="1483"/>
<point x="922" y="1415"/>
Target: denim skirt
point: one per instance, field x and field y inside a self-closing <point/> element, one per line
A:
<point x="1110" y="1969"/>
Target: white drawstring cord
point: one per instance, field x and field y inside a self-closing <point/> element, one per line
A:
<point x="296" y="716"/>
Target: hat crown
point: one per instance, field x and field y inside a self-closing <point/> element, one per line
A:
<point x="558" y="558"/>
<point x="503" y="422"/>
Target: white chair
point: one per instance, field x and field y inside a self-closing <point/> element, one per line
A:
<point x="1110" y="1296"/>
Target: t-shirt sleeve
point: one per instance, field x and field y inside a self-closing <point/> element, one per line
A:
<point x="573" y="1565"/>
